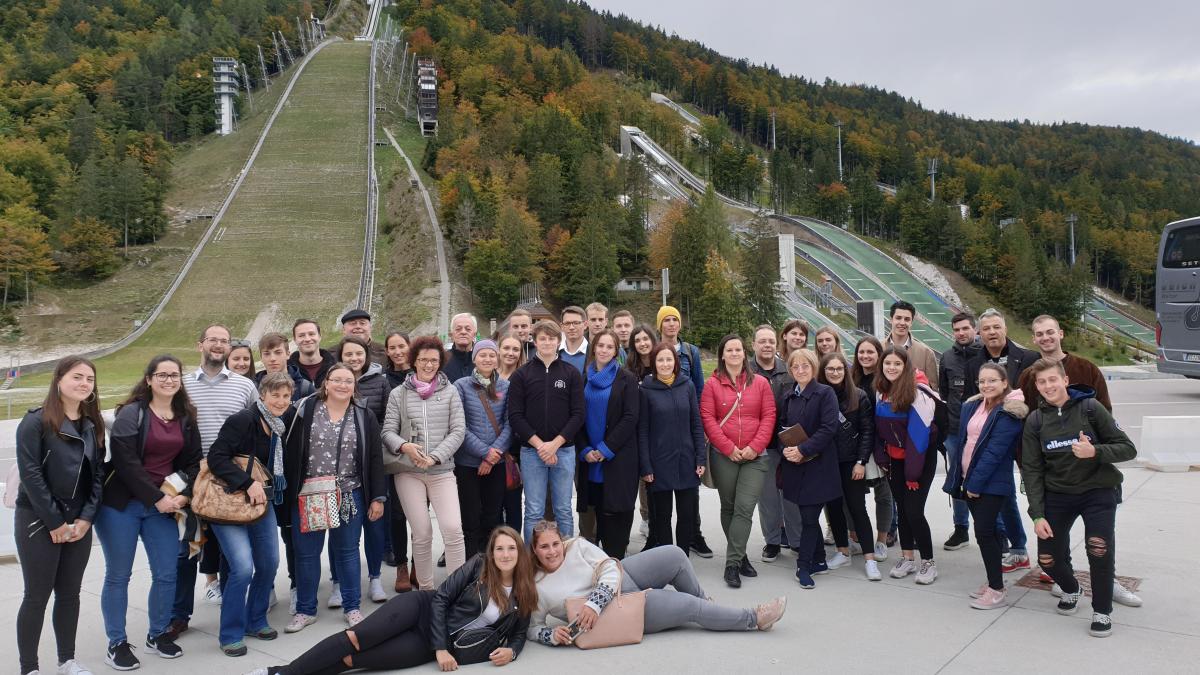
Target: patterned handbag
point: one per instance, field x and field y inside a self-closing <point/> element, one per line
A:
<point x="320" y="498"/>
<point x="214" y="502"/>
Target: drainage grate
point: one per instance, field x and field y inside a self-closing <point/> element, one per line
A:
<point x="1033" y="580"/>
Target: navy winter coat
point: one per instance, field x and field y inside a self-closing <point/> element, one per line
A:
<point x="815" y="409"/>
<point x="670" y="434"/>
<point x="991" y="468"/>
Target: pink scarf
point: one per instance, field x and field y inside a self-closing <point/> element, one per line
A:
<point x="424" y="389"/>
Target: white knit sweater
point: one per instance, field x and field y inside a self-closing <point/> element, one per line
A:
<point x="572" y="579"/>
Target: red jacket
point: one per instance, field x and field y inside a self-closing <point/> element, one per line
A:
<point x="750" y="425"/>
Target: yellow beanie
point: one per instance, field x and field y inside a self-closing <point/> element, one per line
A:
<point x="664" y="312"/>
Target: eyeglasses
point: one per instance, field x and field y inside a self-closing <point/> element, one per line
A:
<point x="572" y="324"/>
<point x="167" y="377"/>
<point x="216" y="341"/>
<point x="428" y="362"/>
<point x="239" y="343"/>
<point x="341" y="382"/>
<point x="838" y="369"/>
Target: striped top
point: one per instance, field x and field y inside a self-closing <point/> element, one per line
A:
<point x="216" y="398"/>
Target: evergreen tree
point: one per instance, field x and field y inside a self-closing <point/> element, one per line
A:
<point x="486" y="271"/>
<point x="760" y="272"/>
<point x="546" y="191"/>
<point x="591" y="268"/>
<point x="719" y="310"/>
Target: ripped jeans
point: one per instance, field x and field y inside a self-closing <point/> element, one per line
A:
<point x="1098" y="508"/>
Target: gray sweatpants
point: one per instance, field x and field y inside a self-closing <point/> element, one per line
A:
<point x="774" y="512"/>
<point x="663" y="566"/>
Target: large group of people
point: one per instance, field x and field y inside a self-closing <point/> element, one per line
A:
<point x="536" y="449"/>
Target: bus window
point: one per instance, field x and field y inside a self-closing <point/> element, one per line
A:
<point x="1182" y="248"/>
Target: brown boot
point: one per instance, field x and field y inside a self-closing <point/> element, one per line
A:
<point x="403" y="581"/>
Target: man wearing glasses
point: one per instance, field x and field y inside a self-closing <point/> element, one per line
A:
<point x="217" y="393"/>
<point x="573" y="348"/>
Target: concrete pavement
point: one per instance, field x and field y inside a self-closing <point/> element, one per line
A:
<point x="846" y="624"/>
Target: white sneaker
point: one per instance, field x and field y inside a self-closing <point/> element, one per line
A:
<point x="376" y="591"/>
<point x="73" y="667"/>
<point x="299" y="622"/>
<point x="880" y="551"/>
<point x="212" y="592"/>
<point x="335" y="597"/>
<point x="273" y="601"/>
<point x="828" y="536"/>
<point x="903" y="568"/>
<point x="1124" y="596"/>
<point x="353" y="617"/>
<point x="258" y="671"/>
<point x="839" y="559"/>
<point x="1056" y="591"/>
<point x="644" y="529"/>
<point x="928" y="573"/>
<point x="872" y="569"/>
<point x="855" y="548"/>
<point x="292" y="597"/>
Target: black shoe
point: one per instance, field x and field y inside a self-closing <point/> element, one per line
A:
<point x="960" y="539"/>
<point x="389" y="559"/>
<point x="164" y="646"/>
<point x="700" y="548"/>
<point x="770" y="552"/>
<point x="732" y="579"/>
<point x="1101" y="625"/>
<point x="120" y="657"/>
<point x="747" y="570"/>
<point x="891" y="539"/>
<point x="442" y="561"/>
<point x="176" y="628"/>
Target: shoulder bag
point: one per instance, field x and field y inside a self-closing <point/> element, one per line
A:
<point x="213" y="501"/>
<point x="622" y="622"/>
<point x="512" y="473"/>
<point x="477" y="644"/>
<point x="392" y="460"/>
<point x="320" y="499"/>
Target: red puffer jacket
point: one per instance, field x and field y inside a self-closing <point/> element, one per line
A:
<point x="753" y="421"/>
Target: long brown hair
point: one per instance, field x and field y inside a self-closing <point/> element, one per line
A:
<point x="181" y="404"/>
<point x="591" y="350"/>
<point x="787" y="328"/>
<point x="390" y="367"/>
<point x="901" y="393"/>
<point x="746" y="376"/>
<point x="53" y="412"/>
<point x="858" y="372"/>
<point x="524" y="591"/>
<point x="846" y="389"/>
<point x="323" y="394"/>
<point x="633" y="360"/>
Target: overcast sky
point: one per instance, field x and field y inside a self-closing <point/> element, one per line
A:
<point x="1097" y="61"/>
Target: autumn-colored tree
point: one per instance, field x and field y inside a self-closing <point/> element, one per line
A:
<point x="24" y="249"/>
<point x="88" y="249"/>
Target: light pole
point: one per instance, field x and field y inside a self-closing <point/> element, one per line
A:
<point x="838" y="124"/>
<point x="1071" y="220"/>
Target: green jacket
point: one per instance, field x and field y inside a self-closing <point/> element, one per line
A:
<point x="1047" y="461"/>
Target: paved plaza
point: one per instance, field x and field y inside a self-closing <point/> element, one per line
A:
<point x="845" y="624"/>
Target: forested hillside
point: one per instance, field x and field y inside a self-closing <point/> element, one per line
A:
<point x="94" y="95"/>
<point x="1020" y="180"/>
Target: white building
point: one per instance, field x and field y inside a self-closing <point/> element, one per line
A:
<point x="225" y="88"/>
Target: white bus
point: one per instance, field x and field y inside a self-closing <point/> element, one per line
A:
<point x="1177" y="299"/>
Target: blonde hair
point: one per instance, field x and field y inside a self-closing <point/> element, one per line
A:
<point x="808" y="355"/>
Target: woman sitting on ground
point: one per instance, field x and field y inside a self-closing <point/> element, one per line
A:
<point x="415" y="628"/>
<point x="565" y="569"/>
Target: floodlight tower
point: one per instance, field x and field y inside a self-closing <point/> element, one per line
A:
<point x="225" y="88"/>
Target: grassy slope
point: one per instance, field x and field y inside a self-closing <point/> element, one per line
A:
<point x="293" y="235"/>
<point x="202" y="175"/>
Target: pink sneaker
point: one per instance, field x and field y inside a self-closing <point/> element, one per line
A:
<point x="991" y="599"/>
<point x="978" y="592"/>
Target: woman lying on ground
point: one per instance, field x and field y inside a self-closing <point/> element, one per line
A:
<point x="565" y="569"/>
<point x="415" y="628"/>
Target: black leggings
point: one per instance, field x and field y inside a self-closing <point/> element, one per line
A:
<point x="854" y="497"/>
<point x="687" y="503"/>
<point x="399" y="525"/>
<point x="48" y="567"/>
<point x="479" y="501"/>
<point x="914" y="528"/>
<point x="984" y="510"/>
<point x="394" y="636"/>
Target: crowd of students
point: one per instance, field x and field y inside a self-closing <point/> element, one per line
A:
<point x="516" y="440"/>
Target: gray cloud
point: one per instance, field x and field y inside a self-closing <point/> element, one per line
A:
<point x="1100" y="62"/>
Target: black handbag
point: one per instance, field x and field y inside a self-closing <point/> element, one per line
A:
<point x="477" y="644"/>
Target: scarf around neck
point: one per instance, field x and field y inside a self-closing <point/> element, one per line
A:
<point x="668" y="380"/>
<point x="596" y="392"/>
<point x="277" y="430"/>
<point x="423" y="389"/>
<point x="484" y="382"/>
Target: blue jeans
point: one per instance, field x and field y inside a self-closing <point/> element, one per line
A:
<point x="119" y="532"/>
<point x="253" y="554"/>
<point x="559" y="478"/>
<point x="343" y="544"/>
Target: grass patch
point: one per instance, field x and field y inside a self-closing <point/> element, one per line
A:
<point x="292" y="237"/>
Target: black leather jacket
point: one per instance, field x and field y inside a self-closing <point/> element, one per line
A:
<point x="460" y="600"/>
<point x="53" y="483"/>
<point x="125" y="477"/>
<point x="856" y="435"/>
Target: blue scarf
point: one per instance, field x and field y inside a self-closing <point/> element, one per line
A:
<point x="595" y="395"/>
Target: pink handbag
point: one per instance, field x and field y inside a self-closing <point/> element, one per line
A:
<point x="623" y="620"/>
